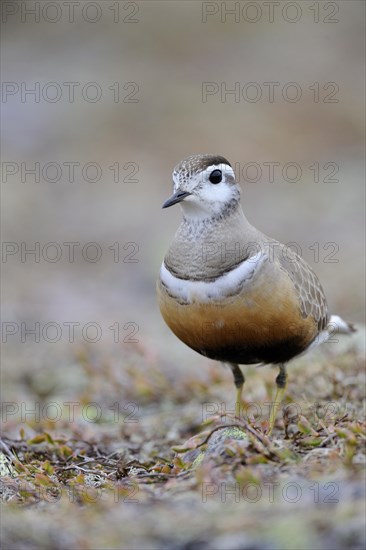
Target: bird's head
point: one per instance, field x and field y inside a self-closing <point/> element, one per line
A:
<point x="205" y="187"/>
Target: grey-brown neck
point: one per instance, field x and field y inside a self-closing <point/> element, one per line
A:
<point x="206" y="249"/>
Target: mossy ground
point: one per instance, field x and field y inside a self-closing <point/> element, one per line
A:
<point x="124" y="455"/>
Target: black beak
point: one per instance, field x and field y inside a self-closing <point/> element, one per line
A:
<point x="177" y="197"/>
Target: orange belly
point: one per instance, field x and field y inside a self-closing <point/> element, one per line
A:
<point x="261" y="324"/>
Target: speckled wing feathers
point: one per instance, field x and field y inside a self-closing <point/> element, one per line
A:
<point x="309" y="290"/>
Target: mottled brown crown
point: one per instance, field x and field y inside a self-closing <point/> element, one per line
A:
<point x="197" y="163"/>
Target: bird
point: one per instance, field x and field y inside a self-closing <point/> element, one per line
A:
<point x="230" y="292"/>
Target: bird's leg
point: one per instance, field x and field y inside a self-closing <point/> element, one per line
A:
<point x="239" y="383"/>
<point x="281" y="382"/>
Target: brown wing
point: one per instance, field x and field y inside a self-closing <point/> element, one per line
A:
<point x="311" y="295"/>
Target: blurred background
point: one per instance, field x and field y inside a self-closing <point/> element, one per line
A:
<point x="122" y="91"/>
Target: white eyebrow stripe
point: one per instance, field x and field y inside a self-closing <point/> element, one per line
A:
<point x="225" y="169"/>
<point x="207" y="291"/>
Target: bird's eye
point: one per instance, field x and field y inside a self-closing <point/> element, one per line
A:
<point x="215" y="176"/>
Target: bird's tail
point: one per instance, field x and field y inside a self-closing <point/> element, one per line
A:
<point x="339" y="326"/>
